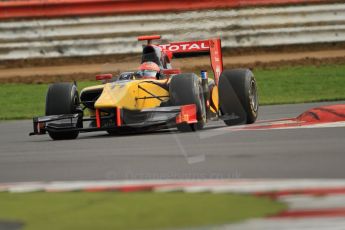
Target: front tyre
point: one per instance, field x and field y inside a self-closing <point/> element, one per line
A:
<point x="238" y="97"/>
<point x="62" y="98"/>
<point x="186" y="89"/>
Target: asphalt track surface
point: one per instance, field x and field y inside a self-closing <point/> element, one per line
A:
<point x="292" y="153"/>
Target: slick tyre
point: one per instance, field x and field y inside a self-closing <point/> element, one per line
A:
<point x="238" y="97"/>
<point x="186" y="89"/>
<point x="62" y="98"/>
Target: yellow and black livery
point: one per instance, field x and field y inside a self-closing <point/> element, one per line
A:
<point x="173" y="99"/>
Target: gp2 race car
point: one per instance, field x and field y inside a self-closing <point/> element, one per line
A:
<point x="154" y="98"/>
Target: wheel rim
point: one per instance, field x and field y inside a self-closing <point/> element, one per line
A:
<point x="253" y="96"/>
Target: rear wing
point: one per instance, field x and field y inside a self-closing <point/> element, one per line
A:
<point x="210" y="47"/>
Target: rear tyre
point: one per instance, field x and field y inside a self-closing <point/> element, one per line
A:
<point x="186" y="89"/>
<point x="238" y="97"/>
<point x="62" y="98"/>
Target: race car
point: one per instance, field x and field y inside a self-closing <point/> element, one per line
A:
<point x="155" y="96"/>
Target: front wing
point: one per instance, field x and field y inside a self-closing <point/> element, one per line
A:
<point x="116" y="119"/>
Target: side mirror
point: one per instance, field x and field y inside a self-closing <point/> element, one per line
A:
<point x="171" y="71"/>
<point x="104" y="77"/>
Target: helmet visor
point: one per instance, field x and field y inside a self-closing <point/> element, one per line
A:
<point x="146" y="74"/>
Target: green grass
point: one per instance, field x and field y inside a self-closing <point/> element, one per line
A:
<point x="22" y="101"/>
<point x="276" y="86"/>
<point x="301" y="84"/>
<point x="130" y="211"/>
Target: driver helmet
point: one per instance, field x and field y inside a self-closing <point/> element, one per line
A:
<point x="148" y="70"/>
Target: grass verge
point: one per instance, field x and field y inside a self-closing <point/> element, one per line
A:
<point x="282" y="85"/>
<point x="301" y="84"/>
<point x="23" y="101"/>
<point x="131" y="211"/>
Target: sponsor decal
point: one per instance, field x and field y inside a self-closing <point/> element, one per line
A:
<point x="186" y="47"/>
<point x="108" y="124"/>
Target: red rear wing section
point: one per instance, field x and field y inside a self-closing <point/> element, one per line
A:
<point x="187" y="47"/>
<point x="212" y="47"/>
